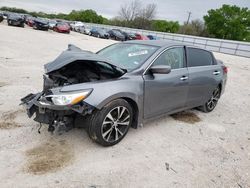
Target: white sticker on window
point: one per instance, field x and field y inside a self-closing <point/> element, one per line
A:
<point x="142" y="52"/>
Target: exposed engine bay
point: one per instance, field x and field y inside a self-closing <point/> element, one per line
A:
<point x="80" y="72"/>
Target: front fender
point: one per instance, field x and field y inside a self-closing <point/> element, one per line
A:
<point x="106" y="91"/>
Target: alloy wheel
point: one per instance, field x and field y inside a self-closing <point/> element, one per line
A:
<point x="214" y="99"/>
<point x="115" y="124"/>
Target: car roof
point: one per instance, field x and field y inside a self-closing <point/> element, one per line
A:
<point x="159" y="43"/>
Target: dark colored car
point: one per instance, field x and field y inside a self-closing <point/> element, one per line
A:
<point x="125" y="85"/>
<point x="116" y="35"/>
<point x="140" y="37"/>
<point x="152" y="37"/>
<point x="128" y="36"/>
<point x="40" y="24"/>
<point x="100" y="33"/>
<point x="1" y="17"/>
<point x="15" y="20"/>
<point x="131" y="36"/>
<point x="62" y="27"/>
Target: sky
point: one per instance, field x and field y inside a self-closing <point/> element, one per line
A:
<point x="176" y="10"/>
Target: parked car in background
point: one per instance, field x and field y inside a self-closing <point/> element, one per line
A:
<point x="62" y="27"/>
<point x="152" y="37"/>
<point x="40" y="24"/>
<point x="30" y="21"/>
<point x="15" y="20"/>
<point x="87" y="30"/>
<point x="128" y="36"/>
<point x="125" y="85"/>
<point x="81" y="29"/>
<point x="1" y="17"/>
<point x="140" y="37"/>
<point x="76" y="25"/>
<point x="131" y="36"/>
<point x="5" y="15"/>
<point x="116" y="35"/>
<point x="52" y="24"/>
<point x="100" y="33"/>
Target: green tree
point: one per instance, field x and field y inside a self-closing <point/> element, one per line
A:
<point x="229" y="22"/>
<point x="85" y="16"/>
<point x="165" y="26"/>
<point x="16" y="10"/>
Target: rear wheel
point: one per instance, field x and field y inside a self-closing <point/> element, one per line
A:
<point x="110" y="125"/>
<point x="212" y="102"/>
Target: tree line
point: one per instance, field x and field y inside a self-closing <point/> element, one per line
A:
<point x="227" y="22"/>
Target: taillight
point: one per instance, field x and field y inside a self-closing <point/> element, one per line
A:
<point x="225" y="69"/>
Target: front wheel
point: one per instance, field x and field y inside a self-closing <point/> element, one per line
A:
<point x="110" y="125"/>
<point x="212" y="102"/>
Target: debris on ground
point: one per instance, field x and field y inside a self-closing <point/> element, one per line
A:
<point x="48" y="157"/>
<point x="8" y="120"/>
<point x="187" y="117"/>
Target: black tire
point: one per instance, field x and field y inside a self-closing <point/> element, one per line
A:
<point x="210" y="105"/>
<point x="106" y="132"/>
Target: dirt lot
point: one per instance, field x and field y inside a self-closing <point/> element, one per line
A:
<point x="190" y="149"/>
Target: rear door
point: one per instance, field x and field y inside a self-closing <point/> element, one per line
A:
<point x="204" y="75"/>
<point x="164" y="93"/>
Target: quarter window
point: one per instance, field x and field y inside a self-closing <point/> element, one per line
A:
<point x="199" y="57"/>
<point x="173" y="57"/>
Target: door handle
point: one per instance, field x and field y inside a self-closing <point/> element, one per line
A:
<point x="216" y="72"/>
<point x="183" y="78"/>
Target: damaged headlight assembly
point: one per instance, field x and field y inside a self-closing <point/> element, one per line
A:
<point x="69" y="99"/>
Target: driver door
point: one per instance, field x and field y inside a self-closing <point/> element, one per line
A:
<point x="165" y="93"/>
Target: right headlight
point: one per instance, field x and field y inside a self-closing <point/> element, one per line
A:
<point x="69" y="99"/>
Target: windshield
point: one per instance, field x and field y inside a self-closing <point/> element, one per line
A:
<point x="128" y="56"/>
<point x="62" y="24"/>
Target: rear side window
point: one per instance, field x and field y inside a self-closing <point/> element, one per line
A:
<point x="199" y="57"/>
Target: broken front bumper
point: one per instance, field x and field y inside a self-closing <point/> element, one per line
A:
<point x="46" y="112"/>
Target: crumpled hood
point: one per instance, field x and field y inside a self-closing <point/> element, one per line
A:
<point x="72" y="54"/>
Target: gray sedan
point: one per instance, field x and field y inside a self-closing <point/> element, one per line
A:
<point x="124" y="85"/>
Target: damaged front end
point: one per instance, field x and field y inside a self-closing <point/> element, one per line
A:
<point x="59" y="108"/>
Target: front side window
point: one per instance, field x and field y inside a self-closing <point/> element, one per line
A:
<point x="173" y="57"/>
<point x="198" y="57"/>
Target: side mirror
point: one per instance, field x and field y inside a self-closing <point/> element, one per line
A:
<point x="160" y="69"/>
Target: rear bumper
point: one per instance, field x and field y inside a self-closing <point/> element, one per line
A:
<point x="63" y="31"/>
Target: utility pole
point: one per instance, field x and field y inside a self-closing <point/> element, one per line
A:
<point x="189" y="14"/>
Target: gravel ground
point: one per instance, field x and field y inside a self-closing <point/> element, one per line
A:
<point x="190" y="149"/>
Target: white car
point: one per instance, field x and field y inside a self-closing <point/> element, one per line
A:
<point x="87" y="30"/>
<point x="76" y="26"/>
<point x="52" y="24"/>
